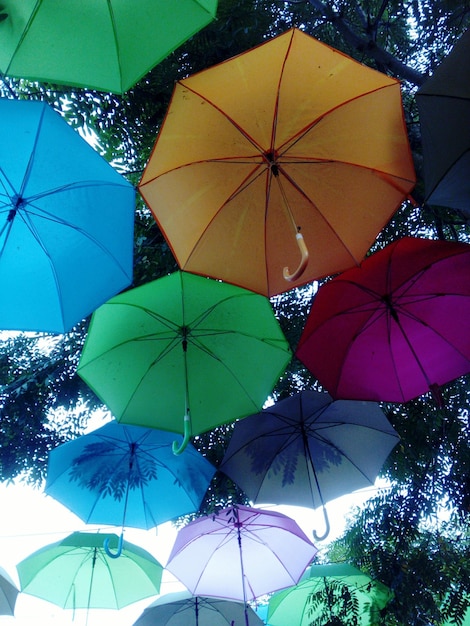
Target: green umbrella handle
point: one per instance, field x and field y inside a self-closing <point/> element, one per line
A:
<point x="303" y="261"/>
<point x="178" y="449"/>
<point x="327" y="527"/>
<point x="117" y="554"/>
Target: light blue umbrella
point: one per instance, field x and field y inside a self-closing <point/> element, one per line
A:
<point x="127" y="475"/>
<point x="66" y="222"/>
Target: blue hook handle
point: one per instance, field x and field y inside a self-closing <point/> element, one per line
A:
<point x="117" y="554"/>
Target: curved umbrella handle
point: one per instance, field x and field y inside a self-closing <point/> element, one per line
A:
<point x="327" y="528"/>
<point x="117" y="554"/>
<point x="303" y="261"/>
<point x="179" y="448"/>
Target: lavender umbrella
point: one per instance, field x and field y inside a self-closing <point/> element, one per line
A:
<point x="240" y="554"/>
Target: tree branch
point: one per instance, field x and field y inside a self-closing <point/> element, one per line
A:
<point x="368" y="46"/>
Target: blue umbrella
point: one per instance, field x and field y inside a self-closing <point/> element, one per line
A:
<point x="66" y="222"/>
<point x="127" y="475"/>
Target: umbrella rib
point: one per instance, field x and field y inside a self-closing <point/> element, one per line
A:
<point x="278" y="95"/>
<point x="292" y="141"/>
<point x="116" y="41"/>
<point x="417" y="319"/>
<point x="25" y="215"/>
<point x="84" y="184"/>
<point x="198" y="344"/>
<point x="253" y="536"/>
<point x="224" y="114"/>
<point x="448" y="169"/>
<point x="332" y="445"/>
<point x="5" y="179"/>
<point x="23" y="35"/>
<point x="249" y="179"/>
<point x="314" y="206"/>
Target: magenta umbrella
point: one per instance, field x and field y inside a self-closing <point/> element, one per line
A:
<point x="396" y="326"/>
<point x="240" y="554"/>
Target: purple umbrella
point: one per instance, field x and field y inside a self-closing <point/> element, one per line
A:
<point x="240" y="554"/>
<point x="308" y="449"/>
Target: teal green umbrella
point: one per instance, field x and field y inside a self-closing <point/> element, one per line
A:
<point x="184" y="354"/>
<point x="333" y="594"/>
<point x="102" y="44"/>
<point x="76" y="573"/>
<point x="466" y="620"/>
<point x="453" y="621"/>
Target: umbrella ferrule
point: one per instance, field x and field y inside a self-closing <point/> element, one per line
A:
<point x="271" y="159"/>
<point x="390" y="306"/>
<point x="18" y="202"/>
<point x="184" y="331"/>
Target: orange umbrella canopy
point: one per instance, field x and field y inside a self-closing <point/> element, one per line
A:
<point x="279" y="166"/>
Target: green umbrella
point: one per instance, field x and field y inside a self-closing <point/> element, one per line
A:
<point x="453" y="620"/>
<point x="101" y="44"/>
<point x="184" y="346"/>
<point x="465" y="622"/>
<point x="330" y="594"/>
<point x="76" y="573"/>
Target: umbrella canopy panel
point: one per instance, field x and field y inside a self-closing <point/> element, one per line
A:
<point x="66" y="222"/>
<point x="326" y="592"/>
<point x="241" y="553"/>
<point x="290" y="138"/>
<point x="394" y="328"/>
<point x="76" y="573"/>
<point x="8" y="594"/>
<point x="101" y="44"/>
<point x="184" y="343"/>
<point x="444" y="110"/>
<point x="127" y="475"/>
<point x="308" y="449"/>
<point x="184" y="609"/>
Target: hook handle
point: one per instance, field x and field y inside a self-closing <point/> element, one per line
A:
<point x="179" y="448"/>
<point x="327" y="527"/>
<point x="117" y="554"/>
<point x="303" y="261"/>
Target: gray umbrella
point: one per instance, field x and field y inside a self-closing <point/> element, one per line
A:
<point x="444" y="110"/>
<point x="8" y="593"/>
<point x="183" y="609"/>
<point x="308" y="449"/>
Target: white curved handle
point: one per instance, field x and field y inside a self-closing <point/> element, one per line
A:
<point x="303" y="261"/>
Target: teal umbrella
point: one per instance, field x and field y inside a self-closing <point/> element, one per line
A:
<point x="101" y="44"/>
<point x="330" y="594"/>
<point x="66" y="222"/>
<point x="76" y="573"/>
<point x="184" y="353"/>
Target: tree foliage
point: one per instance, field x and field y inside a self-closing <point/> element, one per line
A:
<point x="401" y="537"/>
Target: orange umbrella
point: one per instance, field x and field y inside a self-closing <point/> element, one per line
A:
<point x="279" y="166"/>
